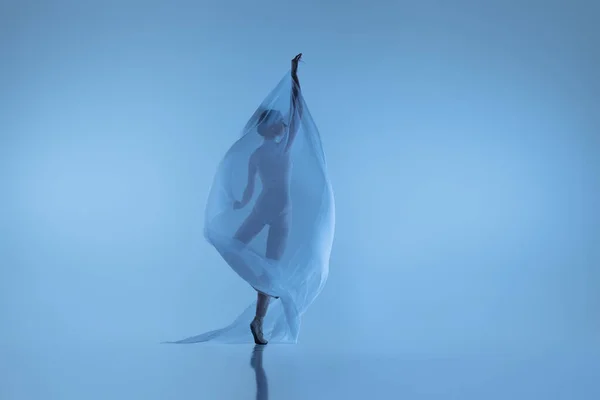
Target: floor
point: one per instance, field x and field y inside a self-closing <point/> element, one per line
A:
<point x="221" y="372"/>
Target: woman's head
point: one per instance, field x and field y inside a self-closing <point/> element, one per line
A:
<point x="271" y="124"/>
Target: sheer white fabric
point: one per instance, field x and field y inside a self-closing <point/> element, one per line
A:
<point x="293" y="209"/>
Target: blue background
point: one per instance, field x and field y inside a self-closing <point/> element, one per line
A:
<point x="463" y="145"/>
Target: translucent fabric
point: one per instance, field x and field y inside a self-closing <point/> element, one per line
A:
<point x="301" y="232"/>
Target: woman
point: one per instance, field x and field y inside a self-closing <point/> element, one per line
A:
<point x="271" y="161"/>
<point x="290" y="260"/>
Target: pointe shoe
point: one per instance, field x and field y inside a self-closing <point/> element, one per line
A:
<point x="256" y="329"/>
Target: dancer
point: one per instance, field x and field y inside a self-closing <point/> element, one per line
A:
<point x="271" y="162"/>
<point x="288" y="263"/>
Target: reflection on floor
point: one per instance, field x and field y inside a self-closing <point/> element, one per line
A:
<point x="129" y="371"/>
<point x="262" y="385"/>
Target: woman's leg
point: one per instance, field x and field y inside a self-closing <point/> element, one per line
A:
<point x="277" y="239"/>
<point x="278" y="232"/>
<point x="262" y="303"/>
<point x="246" y="232"/>
<point x="251" y="227"/>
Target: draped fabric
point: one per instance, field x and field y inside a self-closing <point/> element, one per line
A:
<point x="298" y="273"/>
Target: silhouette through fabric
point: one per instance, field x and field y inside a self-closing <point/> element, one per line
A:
<point x="298" y="273"/>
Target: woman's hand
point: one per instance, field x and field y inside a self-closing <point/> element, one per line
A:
<point x="295" y="62"/>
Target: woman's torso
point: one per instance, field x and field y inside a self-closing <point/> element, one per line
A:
<point x="274" y="169"/>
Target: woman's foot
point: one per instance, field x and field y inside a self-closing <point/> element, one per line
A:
<point x="256" y="329"/>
